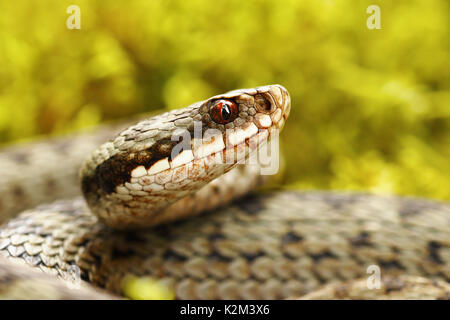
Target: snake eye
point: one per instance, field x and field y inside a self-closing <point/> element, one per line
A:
<point x="224" y="111"/>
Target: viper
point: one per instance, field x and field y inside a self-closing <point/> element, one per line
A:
<point x="172" y="198"/>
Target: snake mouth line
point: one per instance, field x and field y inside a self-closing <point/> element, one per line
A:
<point x="170" y="174"/>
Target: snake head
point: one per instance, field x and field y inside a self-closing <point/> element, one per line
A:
<point x="139" y="178"/>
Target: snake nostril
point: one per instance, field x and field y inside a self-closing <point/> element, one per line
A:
<point x="264" y="104"/>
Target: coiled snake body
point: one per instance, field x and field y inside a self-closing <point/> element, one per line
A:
<point x="266" y="246"/>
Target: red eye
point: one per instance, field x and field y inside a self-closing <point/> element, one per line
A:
<point x="224" y="111"/>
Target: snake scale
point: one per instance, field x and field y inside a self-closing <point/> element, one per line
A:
<point x="269" y="245"/>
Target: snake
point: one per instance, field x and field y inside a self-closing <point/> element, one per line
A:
<point x="172" y="198"/>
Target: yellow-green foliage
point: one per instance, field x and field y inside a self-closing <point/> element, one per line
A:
<point x="371" y="108"/>
<point x="145" y="288"/>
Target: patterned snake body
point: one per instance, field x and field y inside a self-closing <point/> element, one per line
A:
<point x="271" y="245"/>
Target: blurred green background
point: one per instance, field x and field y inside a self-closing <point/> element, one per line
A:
<point x="371" y="108"/>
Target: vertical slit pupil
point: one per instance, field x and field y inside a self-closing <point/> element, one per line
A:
<point x="226" y="112"/>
